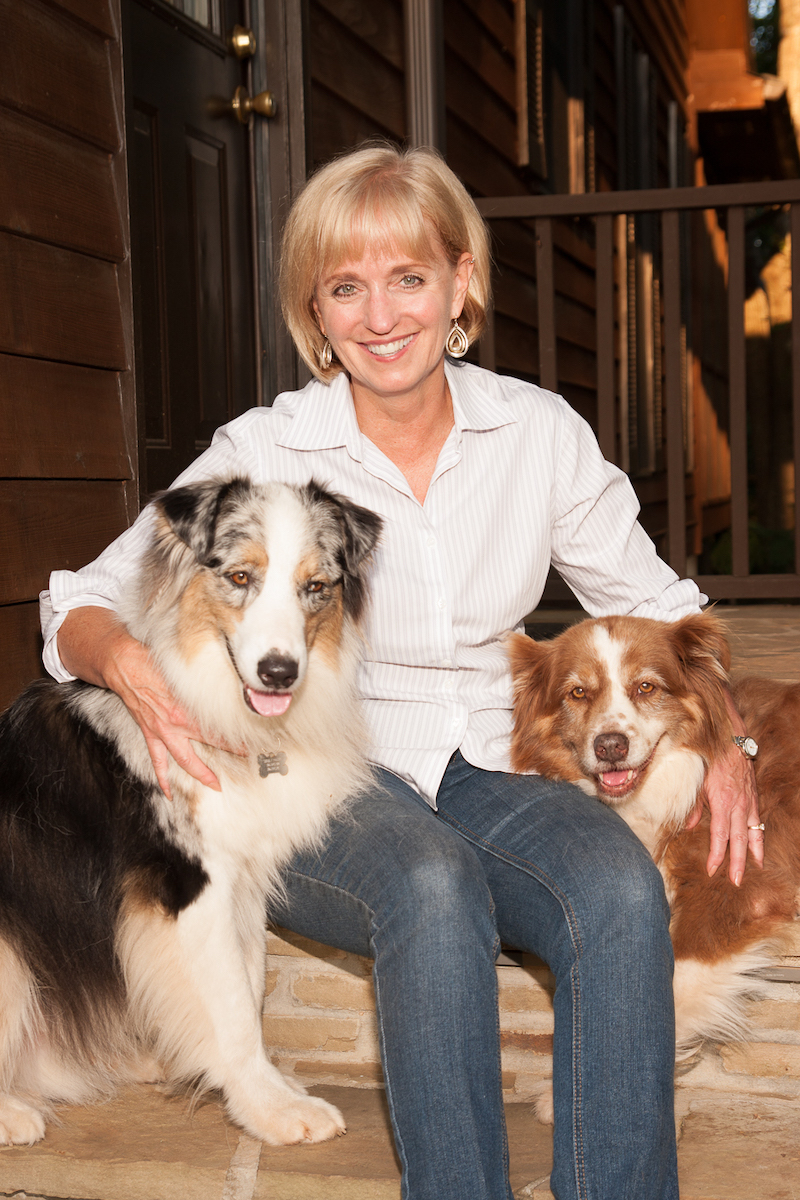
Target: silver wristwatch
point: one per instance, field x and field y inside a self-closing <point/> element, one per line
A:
<point x="747" y="745"/>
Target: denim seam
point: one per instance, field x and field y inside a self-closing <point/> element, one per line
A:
<point x="398" y="1139"/>
<point x="523" y="864"/>
<point x="400" y="1147"/>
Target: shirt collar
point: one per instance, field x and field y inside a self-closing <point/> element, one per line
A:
<point x="323" y="417"/>
<point x="478" y="399"/>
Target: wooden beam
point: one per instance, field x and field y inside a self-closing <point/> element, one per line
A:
<point x="589" y="204"/>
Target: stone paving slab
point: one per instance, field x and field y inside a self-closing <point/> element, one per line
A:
<point x="145" y="1145"/>
<point x="739" y="1148"/>
<point x="142" y="1145"/>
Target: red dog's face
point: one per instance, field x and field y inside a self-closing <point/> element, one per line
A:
<point x="611" y="700"/>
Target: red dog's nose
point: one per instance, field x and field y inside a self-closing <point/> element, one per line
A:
<point x="611" y="747"/>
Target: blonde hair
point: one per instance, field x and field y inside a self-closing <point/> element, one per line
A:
<point x="387" y="198"/>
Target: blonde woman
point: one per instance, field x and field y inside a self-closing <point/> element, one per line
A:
<point x="482" y="481"/>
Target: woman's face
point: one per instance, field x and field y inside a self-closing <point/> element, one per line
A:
<point x="387" y="317"/>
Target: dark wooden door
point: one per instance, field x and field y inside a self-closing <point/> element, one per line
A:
<point x="191" y="224"/>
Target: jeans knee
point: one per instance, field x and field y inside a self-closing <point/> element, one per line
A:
<point x="441" y="895"/>
<point x="631" y="906"/>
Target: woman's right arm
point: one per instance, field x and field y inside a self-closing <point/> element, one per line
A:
<point x="95" y="646"/>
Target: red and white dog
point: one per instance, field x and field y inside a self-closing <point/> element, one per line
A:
<point x="633" y="712"/>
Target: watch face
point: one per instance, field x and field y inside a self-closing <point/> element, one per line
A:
<point x="750" y="748"/>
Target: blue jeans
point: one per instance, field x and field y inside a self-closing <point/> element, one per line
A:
<point x="429" y="895"/>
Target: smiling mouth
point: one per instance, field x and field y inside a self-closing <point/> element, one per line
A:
<point x="615" y="784"/>
<point x="385" y="349"/>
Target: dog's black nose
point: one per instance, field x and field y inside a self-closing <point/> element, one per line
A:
<point x="277" y="671"/>
<point x="612" y="747"/>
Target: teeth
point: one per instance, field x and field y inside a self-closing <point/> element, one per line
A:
<point x="389" y="347"/>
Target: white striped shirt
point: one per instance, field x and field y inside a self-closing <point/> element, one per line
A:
<point x="520" y="482"/>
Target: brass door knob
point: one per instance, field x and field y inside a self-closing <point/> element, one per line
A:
<point x="244" y="106"/>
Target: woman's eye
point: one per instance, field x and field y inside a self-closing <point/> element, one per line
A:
<point x="345" y="289"/>
<point x="239" y="579"/>
<point x="645" y="687"/>
<point x="411" y="280"/>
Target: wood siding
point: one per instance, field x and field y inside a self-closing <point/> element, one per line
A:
<point x="67" y="416"/>
<point x="356" y="82"/>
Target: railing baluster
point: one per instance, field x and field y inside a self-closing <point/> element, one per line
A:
<point x="795" y="228"/>
<point x="606" y="399"/>
<point x="548" y="367"/>
<point x="737" y="391"/>
<point x="673" y="397"/>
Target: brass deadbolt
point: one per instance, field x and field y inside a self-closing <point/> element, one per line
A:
<point x="242" y="42"/>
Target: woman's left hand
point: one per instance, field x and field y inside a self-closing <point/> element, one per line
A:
<point x="730" y="788"/>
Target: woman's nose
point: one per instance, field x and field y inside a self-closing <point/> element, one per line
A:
<point x="380" y="313"/>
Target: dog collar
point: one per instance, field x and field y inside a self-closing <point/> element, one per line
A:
<point x="747" y="745"/>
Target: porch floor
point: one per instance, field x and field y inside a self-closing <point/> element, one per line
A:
<point x="145" y="1145"/>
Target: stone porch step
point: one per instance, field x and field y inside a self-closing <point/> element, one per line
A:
<point x="147" y="1146"/>
<point x="319" y="1018"/>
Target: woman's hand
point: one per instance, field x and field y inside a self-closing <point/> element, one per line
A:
<point x="730" y="788"/>
<point x="96" y="647"/>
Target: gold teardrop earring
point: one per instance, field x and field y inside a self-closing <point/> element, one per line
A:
<point x="457" y="343"/>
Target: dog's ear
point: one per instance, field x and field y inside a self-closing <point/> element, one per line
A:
<point x="531" y="664"/>
<point x="701" y="644"/>
<point x="359" y="531"/>
<point x="192" y="511"/>
<point x="704" y="657"/>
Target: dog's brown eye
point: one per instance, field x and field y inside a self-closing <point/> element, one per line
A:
<point x="578" y="693"/>
<point x="645" y="687"/>
<point x="315" y="586"/>
<point x="239" y="579"/>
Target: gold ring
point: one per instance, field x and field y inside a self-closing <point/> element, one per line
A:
<point x="762" y="826"/>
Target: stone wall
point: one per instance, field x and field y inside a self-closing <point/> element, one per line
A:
<point x="319" y="1023"/>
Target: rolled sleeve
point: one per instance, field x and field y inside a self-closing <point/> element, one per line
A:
<point x="598" y="545"/>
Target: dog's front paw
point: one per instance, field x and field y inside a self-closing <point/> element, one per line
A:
<point x="304" y="1119"/>
<point x="20" y="1125"/>
<point x="543" y="1104"/>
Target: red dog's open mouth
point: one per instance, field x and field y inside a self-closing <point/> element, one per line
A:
<point x="621" y="782"/>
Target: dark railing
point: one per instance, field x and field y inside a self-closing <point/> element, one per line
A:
<point x="670" y="203"/>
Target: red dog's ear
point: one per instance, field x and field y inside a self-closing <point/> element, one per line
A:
<point x="528" y="662"/>
<point x="701" y="643"/>
<point x="705" y="656"/>
<point x="530" y="672"/>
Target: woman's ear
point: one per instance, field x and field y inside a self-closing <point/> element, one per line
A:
<point x="464" y="268"/>
<point x="315" y="307"/>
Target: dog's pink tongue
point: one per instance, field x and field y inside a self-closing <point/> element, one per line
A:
<point x="269" y="704"/>
<point x="614" y="778"/>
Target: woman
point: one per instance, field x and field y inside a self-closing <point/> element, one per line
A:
<point x="481" y="481"/>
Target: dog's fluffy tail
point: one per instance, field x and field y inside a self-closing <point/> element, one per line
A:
<point x="711" y="998"/>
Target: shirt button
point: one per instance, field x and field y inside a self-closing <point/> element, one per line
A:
<point x="431" y="541"/>
<point x="442" y="602"/>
